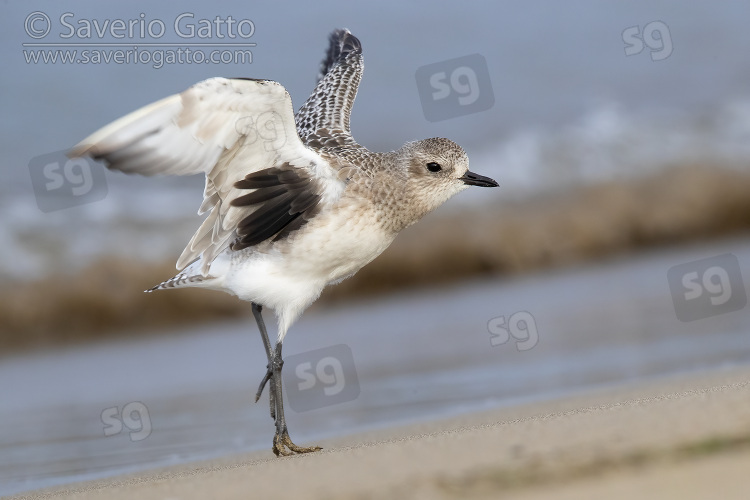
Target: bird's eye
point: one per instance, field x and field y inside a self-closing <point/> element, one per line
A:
<point x="434" y="167"/>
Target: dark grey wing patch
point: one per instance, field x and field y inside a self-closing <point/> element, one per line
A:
<point x="285" y="198"/>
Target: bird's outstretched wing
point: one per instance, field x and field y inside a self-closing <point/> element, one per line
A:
<point x="324" y="118"/>
<point x="261" y="181"/>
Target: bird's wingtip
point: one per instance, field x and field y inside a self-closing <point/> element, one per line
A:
<point x="344" y="42"/>
<point x="341" y="43"/>
<point x="79" y="150"/>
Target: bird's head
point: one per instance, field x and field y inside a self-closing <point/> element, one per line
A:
<point x="436" y="169"/>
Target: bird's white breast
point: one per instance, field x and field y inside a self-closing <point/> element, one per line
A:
<point x="331" y="247"/>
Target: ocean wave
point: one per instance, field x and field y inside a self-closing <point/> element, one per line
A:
<point x="610" y="143"/>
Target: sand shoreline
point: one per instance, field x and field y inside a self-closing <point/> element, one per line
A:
<point x="674" y="437"/>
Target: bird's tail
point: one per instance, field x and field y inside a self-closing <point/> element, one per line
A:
<point x="191" y="276"/>
<point x="181" y="280"/>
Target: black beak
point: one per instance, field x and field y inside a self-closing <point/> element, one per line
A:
<point x="472" y="179"/>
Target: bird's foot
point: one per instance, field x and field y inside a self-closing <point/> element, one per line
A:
<point x="283" y="446"/>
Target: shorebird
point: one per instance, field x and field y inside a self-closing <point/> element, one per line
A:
<point x="294" y="203"/>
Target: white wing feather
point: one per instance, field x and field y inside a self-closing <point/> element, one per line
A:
<point x="224" y="128"/>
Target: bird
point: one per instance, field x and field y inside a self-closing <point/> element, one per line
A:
<point x="293" y="202"/>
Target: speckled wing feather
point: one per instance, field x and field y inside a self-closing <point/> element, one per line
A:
<point x="323" y="121"/>
<point x="227" y="129"/>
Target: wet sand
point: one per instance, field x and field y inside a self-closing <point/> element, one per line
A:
<point x="686" y="437"/>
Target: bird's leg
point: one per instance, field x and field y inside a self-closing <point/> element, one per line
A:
<point x="282" y="443"/>
<point x="257" y="308"/>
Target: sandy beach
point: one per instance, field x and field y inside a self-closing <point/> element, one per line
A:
<point x="685" y="437"/>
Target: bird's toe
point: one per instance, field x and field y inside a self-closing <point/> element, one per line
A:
<point x="283" y="446"/>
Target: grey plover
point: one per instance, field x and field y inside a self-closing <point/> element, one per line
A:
<point x="294" y="203"/>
